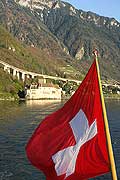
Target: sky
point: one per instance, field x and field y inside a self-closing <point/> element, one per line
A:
<point x="107" y="8"/>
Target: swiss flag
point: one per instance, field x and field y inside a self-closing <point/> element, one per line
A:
<point x="70" y="143"/>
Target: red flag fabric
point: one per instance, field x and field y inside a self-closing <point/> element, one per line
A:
<point x="70" y="143"/>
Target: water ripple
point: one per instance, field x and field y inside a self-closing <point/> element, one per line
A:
<point x="18" y="122"/>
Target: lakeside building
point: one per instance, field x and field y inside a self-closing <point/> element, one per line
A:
<point x="43" y="91"/>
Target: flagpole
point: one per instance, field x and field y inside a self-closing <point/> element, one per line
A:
<point x="109" y="144"/>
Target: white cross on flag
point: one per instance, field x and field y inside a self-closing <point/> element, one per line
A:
<point x="70" y="143"/>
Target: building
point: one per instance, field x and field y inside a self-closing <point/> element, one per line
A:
<point x="43" y="91"/>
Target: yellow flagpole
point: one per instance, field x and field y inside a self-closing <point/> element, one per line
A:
<point x="109" y="144"/>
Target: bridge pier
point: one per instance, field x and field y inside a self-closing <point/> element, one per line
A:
<point x="14" y="72"/>
<point x="23" y="76"/>
<point x="18" y="75"/>
<point x="6" y="68"/>
<point x="32" y="76"/>
<point x="27" y="76"/>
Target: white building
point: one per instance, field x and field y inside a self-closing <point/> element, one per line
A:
<point x="46" y="91"/>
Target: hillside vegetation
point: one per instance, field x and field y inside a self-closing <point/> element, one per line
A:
<point x="9" y="87"/>
<point x="62" y="34"/>
<point x="27" y="58"/>
<point x="31" y="58"/>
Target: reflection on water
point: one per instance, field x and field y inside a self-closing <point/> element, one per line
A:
<point x="18" y="120"/>
<point x="41" y="102"/>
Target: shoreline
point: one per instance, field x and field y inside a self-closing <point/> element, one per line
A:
<point x="9" y="97"/>
<point x="113" y="97"/>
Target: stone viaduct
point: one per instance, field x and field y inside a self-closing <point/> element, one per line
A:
<point x="22" y="74"/>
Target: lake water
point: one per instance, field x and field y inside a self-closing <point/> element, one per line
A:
<point x="17" y="123"/>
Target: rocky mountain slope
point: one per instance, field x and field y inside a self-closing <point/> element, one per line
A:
<point x="65" y="33"/>
<point x="31" y="58"/>
<point x="27" y="58"/>
<point x="82" y="31"/>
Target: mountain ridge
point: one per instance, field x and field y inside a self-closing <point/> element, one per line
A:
<point x="86" y="15"/>
<point x="71" y="34"/>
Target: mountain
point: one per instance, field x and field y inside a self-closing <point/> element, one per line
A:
<point x="26" y="58"/>
<point x="82" y="31"/>
<point x="22" y="24"/>
<point x="61" y="31"/>
<point x="30" y="58"/>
